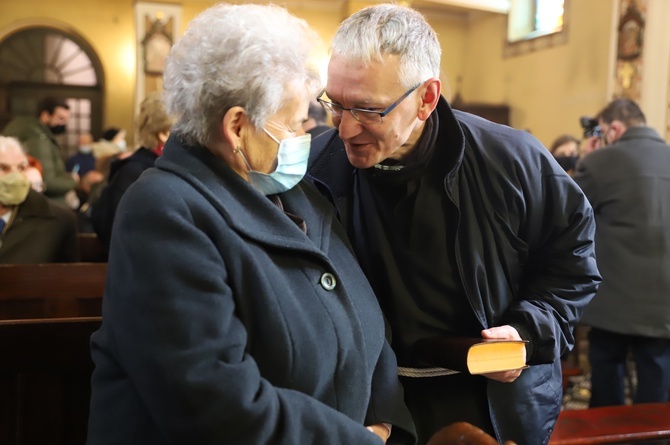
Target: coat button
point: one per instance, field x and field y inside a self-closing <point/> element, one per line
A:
<point x="328" y="281"/>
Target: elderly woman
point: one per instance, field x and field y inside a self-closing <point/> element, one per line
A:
<point x="235" y="312"/>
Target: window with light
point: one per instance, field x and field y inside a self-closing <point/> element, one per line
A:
<point x="529" y="19"/>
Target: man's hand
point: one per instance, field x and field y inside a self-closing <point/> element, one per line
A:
<point x="380" y="430"/>
<point x="90" y="178"/>
<point x="505" y="332"/>
<point x="591" y="144"/>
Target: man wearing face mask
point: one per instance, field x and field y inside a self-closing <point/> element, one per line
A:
<point x="628" y="183"/>
<point x="38" y="136"/>
<point x="33" y="229"/>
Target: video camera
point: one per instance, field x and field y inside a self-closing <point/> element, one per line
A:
<point x="590" y="126"/>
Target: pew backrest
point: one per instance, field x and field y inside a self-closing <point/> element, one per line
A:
<point x="91" y="249"/>
<point x="45" y="372"/>
<point x="57" y="290"/>
<point x="613" y="424"/>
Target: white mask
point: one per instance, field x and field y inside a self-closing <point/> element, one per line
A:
<point x="292" y="158"/>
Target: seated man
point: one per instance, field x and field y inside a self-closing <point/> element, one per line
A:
<point x="33" y="229"/>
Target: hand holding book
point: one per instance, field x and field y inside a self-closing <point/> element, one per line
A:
<point x="500" y="354"/>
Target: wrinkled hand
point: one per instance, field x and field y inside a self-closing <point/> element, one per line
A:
<point x="463" y="433"/>
<point x="506" y="333"/>
<point x="380" y="430"/>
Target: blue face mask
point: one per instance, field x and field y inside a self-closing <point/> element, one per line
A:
<point x="292" y="160"/>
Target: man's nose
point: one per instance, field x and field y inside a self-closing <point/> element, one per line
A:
<point x="349" y="127"/>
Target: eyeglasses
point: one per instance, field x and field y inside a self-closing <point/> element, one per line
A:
<point x="361" y="115"/>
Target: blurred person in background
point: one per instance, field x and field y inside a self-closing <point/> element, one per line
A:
<point x="317" y="119"/>
<point x="153" y="128"/>
<point x="627" y="182"/>
<point x="112" y="142"/>
<point x="38" y="136"/>
<point x="565" y="150"/>
<point x="33" y="229"/>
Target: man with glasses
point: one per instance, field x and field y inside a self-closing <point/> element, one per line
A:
<point x="463" y="227"/>
<point x="628" y="183"/>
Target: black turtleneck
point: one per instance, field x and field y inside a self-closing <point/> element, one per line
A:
<point x="403" y="231"/>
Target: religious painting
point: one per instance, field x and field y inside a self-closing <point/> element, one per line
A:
<point x="157" y="43"/>
<point x="631" y="31"/>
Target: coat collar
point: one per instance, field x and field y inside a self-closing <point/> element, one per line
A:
<point x="641" y="133"/>
<point x="246" y="210"/>
<point x="35" y="205"/>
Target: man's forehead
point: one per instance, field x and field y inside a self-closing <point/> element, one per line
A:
<point x="12" y="156"/>
<point x="60" y="111"/>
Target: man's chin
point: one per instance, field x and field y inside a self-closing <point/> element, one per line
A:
<point x="360" y="159"/>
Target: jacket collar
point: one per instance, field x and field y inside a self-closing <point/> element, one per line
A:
<point x="641" y="133"/>
<point x="47" y="131"/>
<point x="35" y="205"/>
<point x="244" y="209"/>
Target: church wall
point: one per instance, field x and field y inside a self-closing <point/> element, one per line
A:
<point x="547" y="89"/>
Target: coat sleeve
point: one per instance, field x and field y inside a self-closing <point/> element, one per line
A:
<point x="172" y="318"/>
<point x="560" y="275"/>
<point x="386" y="404"/>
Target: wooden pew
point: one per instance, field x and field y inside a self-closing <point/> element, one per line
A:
<point x="47" y="315"/>
<point x="57" y="290"/>
<point x="45" y="373"/>
<point x="613" y="424"/>
<point x="91" y="249"/>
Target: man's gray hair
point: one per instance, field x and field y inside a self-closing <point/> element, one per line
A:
<point x="387" y="29"/>
<point x="236" y="55"/>
<point x="10" y="143"/>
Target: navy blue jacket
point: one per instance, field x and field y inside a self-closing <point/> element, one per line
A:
<point x="224" y="323"/>
<point x="514" y="200"/>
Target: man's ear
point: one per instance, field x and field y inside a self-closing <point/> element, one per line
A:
<point x="430" y="96"/>
<point x="619" y="128"/>
<point x="233" y="124"/>
<point x="44" y="117"/>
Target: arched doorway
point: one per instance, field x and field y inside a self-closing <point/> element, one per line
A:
<point x="41" y="61"/>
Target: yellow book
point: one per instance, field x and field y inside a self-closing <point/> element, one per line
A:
<point x="471" y="354"/>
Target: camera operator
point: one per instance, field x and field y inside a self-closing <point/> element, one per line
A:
<point x="592" y="139"/>
<point x="628" y="184"/>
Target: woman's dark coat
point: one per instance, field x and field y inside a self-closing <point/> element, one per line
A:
<point x="224" y="323"/>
